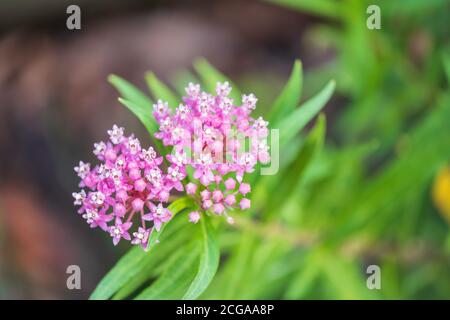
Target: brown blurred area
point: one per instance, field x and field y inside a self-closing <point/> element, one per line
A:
<point x="55" y="103"/>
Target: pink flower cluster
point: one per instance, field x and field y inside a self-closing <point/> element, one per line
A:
<point x="128" y="181"/>
<point x="213" y="140"/>
<point x="218" y="140"/>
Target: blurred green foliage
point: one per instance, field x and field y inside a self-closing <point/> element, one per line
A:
<point x="371" y="187"/>
<point x="336" y="206"/>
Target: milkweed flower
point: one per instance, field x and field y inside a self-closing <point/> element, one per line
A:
<point x="158" y="214"/>
<point x="214" y="141"/>
<point x="127" y="183"/>
<point x="209" y="134"/>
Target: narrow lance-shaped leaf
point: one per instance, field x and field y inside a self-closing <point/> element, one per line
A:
<point x="129" y="92"/>
<point x="209" y="261"/>
<point x="172" y="240"/>
<point x="138" y="103"/>
<point x="446" y="62"/>
<point x="313" y="144"/>
<point x="297" y="120"/>
<point x="289" y="127"/>
<point x="344" y="276"/>
<point x="284" y="105"/>
<point x="177" y="276"/>
<point x="132" y="263"/>
<point x="160" y="91"/>
<point x="325" y="8"/>
<point x="176" y="207"/>
<point x="386" y="187"/>
<point x="292" y="176"/>
<point x="144" y="114"/>
<point x="238" y="260"/>
<point x="181" y="79"/>
<point x="210" y="76"/>
<point x="128" y="267"/>
<point x="290" y="95"/>
<point x="303" y="281"/>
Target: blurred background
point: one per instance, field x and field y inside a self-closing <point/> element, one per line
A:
<point x="381" y="186"/>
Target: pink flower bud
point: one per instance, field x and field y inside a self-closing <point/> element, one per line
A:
<point x="90" y="181"/>
<point x="205" y="194"/>
<point x="137" y="204"/>
<point x="244" y="188"/>
<point x="207" y="204"/>
<point x="230" y="199"/>
<point x="119" y="209"/>
<point x="264" y="157"/>
<point x="244" y="204"/>
<point x="217" y="195"/>
<point x="140" y="185"/>
<point x="110" y="155"/>
<point x="230" y="184"/>
<point x="122" y="195"/>
<point x="134" y="173"/>
<point x="191" y="188"/>
<point x="223" y="168"/>
<point x="133" y="165"/>
<point x="218" y="208"/>
<point x="163" y="196"/>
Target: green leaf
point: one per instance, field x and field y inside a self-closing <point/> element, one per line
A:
<point x="235" y="269"/>
<point x="378" y="202"/>
<point x="176" y="207"/>
<point x="344" y="277"/>
<point x="181" y="79"/>
<point x="325" y="8"/>
<point x="295" y="149"/>
<point x="292" y="176"/>
<point x="143" y="113"/>
<point x="297" y="120"/>
<point x="313" y="144"/>
<point x="210" y="76"/>
<point x="129" y="92"/>
<point x="173" y="239"/>
<point x="130" y="265"/>
<point x="302" y="282"/>
<point x="446" y="62"/>
<point x="290" y="95"/>
<point x="138" y="103"/>
<point x="126" y="269"/>
<point x="160" y="91"/>
<point x="177" y="276"/>
<point x="209" y="262"/>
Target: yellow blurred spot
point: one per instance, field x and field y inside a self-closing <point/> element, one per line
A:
<point x="441" y="192"/>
